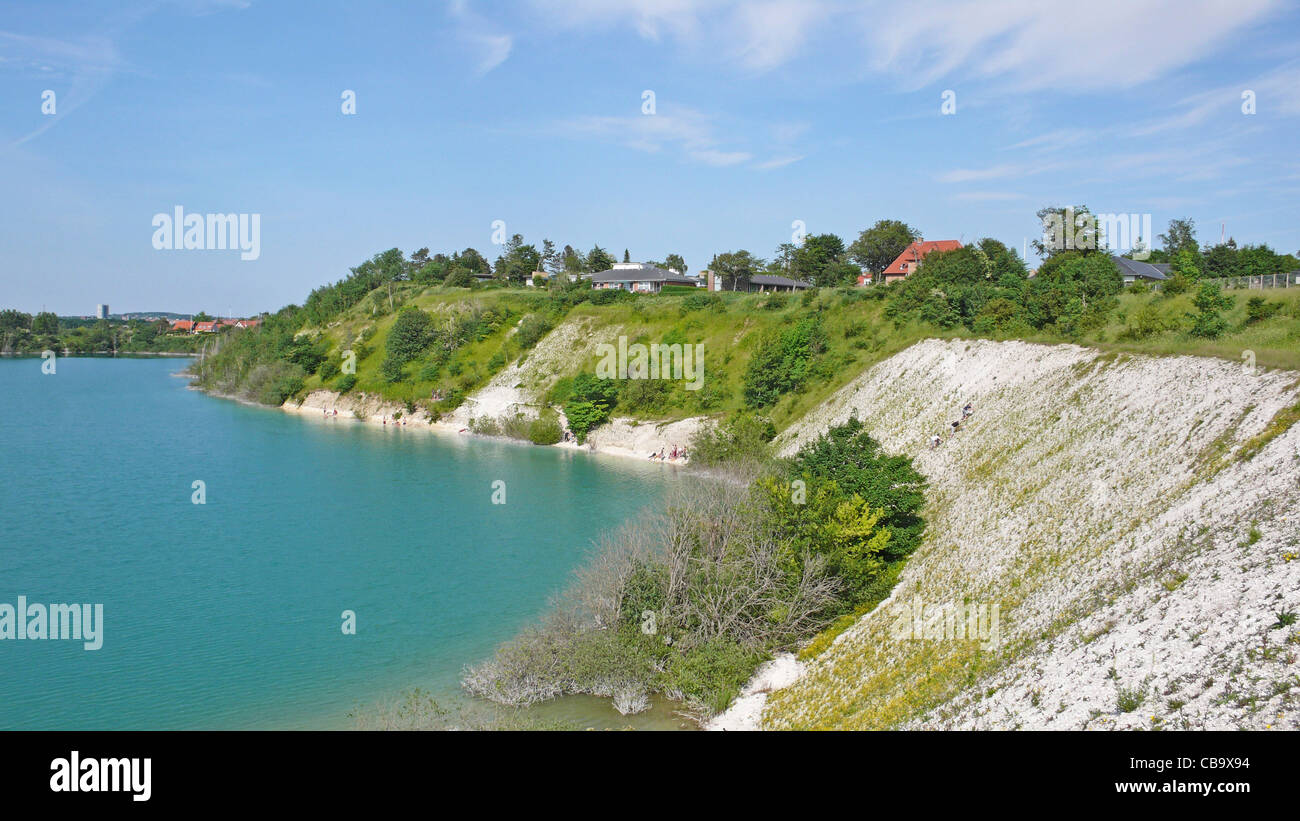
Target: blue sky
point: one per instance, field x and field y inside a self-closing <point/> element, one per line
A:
<point x="530" y="112"/>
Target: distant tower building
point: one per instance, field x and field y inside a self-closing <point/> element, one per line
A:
<point x="102" y="312"/>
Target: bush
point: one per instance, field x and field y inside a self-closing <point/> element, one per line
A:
<point x="849" y="456"/>
<point x="1208" y="321"/>
<point x="589" y="404"/>
<point x="346" y="383"/>
<point x="1259" y="309"/>
<point x="532" y="329"/>
<point x="411" y="334"/>
<point x="328" y="369"/>
<point x="306" y="354"/>
<point x="274" y="382"/>
<point x="644" y="394"/>
<point x="745" y="437"/>
<point x="689" y="598"/>
<point x="712" y="674"/>
<point x="782" y="362"/>
<point x="392" y="369"/>
<point x="608" y="296"/>
<point x="545" y="429"/>
<point x="703" y="301"/>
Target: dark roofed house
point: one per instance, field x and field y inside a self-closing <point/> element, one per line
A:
<point x="1136" y="271"/>
<point x="638" y="277"/>
<point x="768" y="282"/>
<point x="758" y="283"/>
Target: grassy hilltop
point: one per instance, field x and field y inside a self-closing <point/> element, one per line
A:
<point x="808" y="344"/>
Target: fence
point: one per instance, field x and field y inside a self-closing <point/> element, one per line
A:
<point x="1262" y="281"/>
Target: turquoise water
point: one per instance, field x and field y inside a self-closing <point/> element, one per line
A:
<point x="228" y="614"/>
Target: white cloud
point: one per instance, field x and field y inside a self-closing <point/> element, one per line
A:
<point x="1110" y="44"/>
<point x="1030" y="44"/>
<point x="491" y="48"/>
<point x="1277" y="92"/>
<point x="987" y="196"/>
<point x="710" y="156"/>
<point x="977" y="174"/>
<point x="494" y="48"/>
<point x="768" y="34"/>
<point x="83" y="64"/>
<point x="780" y="162"/>
<point x="686" y="130"/>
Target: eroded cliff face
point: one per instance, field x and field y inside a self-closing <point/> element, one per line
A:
<point x="1133" y="518"/>
<point x="521" y="388"/>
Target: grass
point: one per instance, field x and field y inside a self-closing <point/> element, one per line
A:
<point x="1278" y="425"/>
<point x="858" y="335"/>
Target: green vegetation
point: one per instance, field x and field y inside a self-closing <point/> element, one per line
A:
<point x="688" y="599"/>
<point x="22" y="333"/>
<point x="430" y="330"/>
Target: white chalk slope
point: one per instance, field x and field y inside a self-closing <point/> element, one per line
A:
<point x="1104" y="501"/>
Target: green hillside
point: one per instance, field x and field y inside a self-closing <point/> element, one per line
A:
<point x="474" y="334"/>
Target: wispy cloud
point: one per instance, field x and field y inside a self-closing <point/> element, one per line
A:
<point x="987" y="196"/>
<point x="490" y="47"/>
<point x="1025" y="43"/>
<point x="692" y="133"/>
<point x="769" y="33"/>
<point x="1276" y="92"/>
<point x="76" y="67"/>
<point x="779" y="162"/>
<point x="995" y="172"/>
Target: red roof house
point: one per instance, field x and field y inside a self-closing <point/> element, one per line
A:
<point x="182" y="325"/>
<point x="205" y="327"/>
<point x="908" y="261"/>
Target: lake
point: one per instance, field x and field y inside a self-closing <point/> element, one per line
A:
<point x="228" y="614"/>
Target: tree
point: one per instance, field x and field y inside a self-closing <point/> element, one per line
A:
<point x="850" y="457"/>
<point x="598" y="259"/>
<point x="1221" y="260"/>
<point x="1073" y="291"/>
<point x="784" y="259"/>
<point x="1187" y="261"/>
<point x="552" y="262"/>
<point x="574" y="262"/>
<point x="734" y="268"/>
<point x="1180" y="235"/>
<point x="813" y="260"/>
<point x="626" y="256"/>
<point x="418" y="260"/>
<point x="589" y="404"/>
<point x="45" y="323"/>
<point x="1072" y="228"/>
<point x="471" y="263"/>
<point x="11" y="319"/>
<point x="783" y="361"/>
<point x="519" y="262"/>
<point x="411" y="333"/>
<point x="674" y="262"/>
<point x="881" y="244"/>
<point x="1210" y="302"/>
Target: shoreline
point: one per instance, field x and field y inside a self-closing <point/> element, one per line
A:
<point x="378" y="412"/>
<point x="103" y="354"/>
